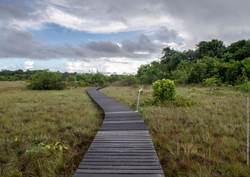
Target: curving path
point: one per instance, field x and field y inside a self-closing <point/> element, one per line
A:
<point x="122" y="147"/>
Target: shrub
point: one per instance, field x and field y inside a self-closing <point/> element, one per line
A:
<point x="246" y="86"/>
<point x="128" y="80"/>
<point x="91" y="79"/>
<point x="164" y="90"/>
<point x="46" y="80"/>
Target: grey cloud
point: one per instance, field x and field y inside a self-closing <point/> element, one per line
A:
<point x="144" y="44"/>
<point x="229" y="37"/>
<point x="22" y="44"/>
<point x="103" y="46"/>
<point x="9" y="12"/>
<point x="17" y="44"/>
<point x="201" y="20"/>
<point x="113" y="9"/>
<point x="164" y="34"/>
<point x="198" y="19"/>
<point x="16" y="14"/>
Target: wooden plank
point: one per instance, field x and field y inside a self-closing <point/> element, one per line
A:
<point x="116" y="159"/>
<point x="153" y="163"/>
<point x="119" y="171"/>
<point x="121" y="122"/>
<point x="102" y="167"/>
<point x="121" y="151"/>
<point x="120" y="154"/>
<point x="117" y="175"/>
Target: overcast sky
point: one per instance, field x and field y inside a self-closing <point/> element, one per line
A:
<point x="111" y="36"/>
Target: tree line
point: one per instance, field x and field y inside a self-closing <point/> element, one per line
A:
<point x="210" y="62"/>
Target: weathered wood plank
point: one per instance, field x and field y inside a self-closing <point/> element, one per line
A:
<point x="119" y="171"/>
<point x="116" y="159"/>
<point x="152" y="163"/>
<point x="105" y="167"/>
<point x="118" y="175"/>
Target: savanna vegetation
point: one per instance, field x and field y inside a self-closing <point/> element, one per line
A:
<point x="193" y="103"/>
<point x="206" y="139"/>
<point x="45" y="133"/>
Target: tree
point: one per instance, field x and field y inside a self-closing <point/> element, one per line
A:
<point x="239" y="49"/>
<point x="191" y="54"/>
<point x="210" y="48"/>
<point x="198" y="72"/>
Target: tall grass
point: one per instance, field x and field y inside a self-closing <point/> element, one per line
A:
<point x="209" y="139"/>
<point x="45" y="133"/>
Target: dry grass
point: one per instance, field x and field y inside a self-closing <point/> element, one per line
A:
<point x="31" y="122"/>
<point x="205" y="140"/>
<point x="11" y="87"/>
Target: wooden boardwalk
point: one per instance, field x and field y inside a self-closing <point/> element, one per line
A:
<point x="122" y="147"/>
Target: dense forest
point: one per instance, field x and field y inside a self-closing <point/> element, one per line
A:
<point x="210" y="62"/>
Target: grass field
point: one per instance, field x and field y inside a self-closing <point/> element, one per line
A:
<point x="209" y="139"/>
<point x="47" y="133"/>
<point x="44" y="133"/>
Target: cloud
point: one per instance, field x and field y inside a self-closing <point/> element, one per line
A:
<point x="144" y="44"/>
<point x="22" y="44"/>
<point x="206" y="20"/>
<point x="164" y="34"/>
<point x="103" y="46"/>
<point x="90" y="16"/>
<point x="10" y="12"/>
<point x="79" y="67"/>
<point x="16" y="44"/>
<point x="28" y="64"/>
<point x="194" y="20"/>
<point x="161" y="23"/>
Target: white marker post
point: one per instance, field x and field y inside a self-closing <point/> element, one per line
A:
<point x="138" y="100"/>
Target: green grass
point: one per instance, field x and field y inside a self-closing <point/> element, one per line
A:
<point x="33" y="122"/>
<point x="209" y="139"/>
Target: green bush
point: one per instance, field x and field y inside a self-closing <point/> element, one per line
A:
<point x="246" y="86"/>
<point x="128" y="80"/>
<point x="46" y="80"/>
<point x="164" y="90"/>
<point x="91" y="79"/>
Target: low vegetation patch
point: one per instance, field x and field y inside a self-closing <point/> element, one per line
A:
<point x="45" y="133"/>
<point x="46" y="80"/>
<point x="208" y="139"/>
<point x="246" y="87"/>
<point x="164" y="94"/>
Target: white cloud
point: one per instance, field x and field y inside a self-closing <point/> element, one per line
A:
<point x="28" y="64"/>
<point x="90" y="19"/>
<point x="107" y="66"/>
<point x="79" y="66"/>
<point x="141" y="53"/>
